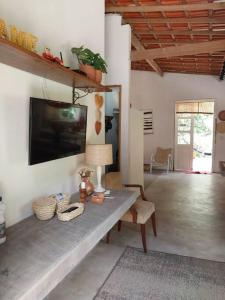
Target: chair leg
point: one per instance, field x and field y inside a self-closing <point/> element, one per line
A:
<point x="153" y="224"/>
<point x="119" y="225"/>
<point x="143" y="235"/>
<point x="108" y="237"/>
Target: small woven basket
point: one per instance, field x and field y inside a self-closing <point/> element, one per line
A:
<point x="44" y="208"/>
<point x="62" y="202"/>
<point x="70" y="215"/>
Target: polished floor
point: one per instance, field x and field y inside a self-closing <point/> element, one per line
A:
<point x="190" y="221"/>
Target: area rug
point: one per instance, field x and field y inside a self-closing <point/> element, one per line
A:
<point x="162" y="276"/>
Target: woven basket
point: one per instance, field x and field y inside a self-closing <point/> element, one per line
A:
<point x="70" y="215"/>
<point x="61" y="203"/>
<point x="44" y="208"/>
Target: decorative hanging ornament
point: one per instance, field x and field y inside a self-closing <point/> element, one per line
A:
<point x="221" y="115"/>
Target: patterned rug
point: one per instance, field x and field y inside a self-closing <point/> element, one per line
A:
<point x="162" y="276"/>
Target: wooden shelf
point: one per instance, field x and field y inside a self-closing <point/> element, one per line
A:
<point x="20" y="58"/>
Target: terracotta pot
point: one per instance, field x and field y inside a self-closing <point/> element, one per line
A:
<point x="98" y="76"/>
<point x="89" y="71"/>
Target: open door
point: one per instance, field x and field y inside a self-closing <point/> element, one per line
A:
<point x="184" y="141"/>
<point x="194" y="136"/>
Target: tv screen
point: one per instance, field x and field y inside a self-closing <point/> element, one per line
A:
<point x="57" y="129"/>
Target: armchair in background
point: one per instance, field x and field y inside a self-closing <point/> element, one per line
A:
<point x="163" y="158"/>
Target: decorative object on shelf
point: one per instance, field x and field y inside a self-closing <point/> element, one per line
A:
<point x="100" y="67"/>
<point x="148" y="121"/>
<point x="44" y="208"/>
<point x="220" y="127"/>
<point x="61" y="58"/>
<point x="3" y="30"/>
<point x="83" y="193"/>
<point x="85" y="174"/>
<point x="99" y="103"/>
<point x="98" y="198"/>
<point x="85" y="58"/>
<point x="10" y="55"/>
<point x="23" y="39"/>
<point x="99" y="155"/>
<point x="48" y="55"/>
<point x="70" y="212"/>
<point x="221" y="115"/>
<point x="92" y="64"/>
<point x="62" y="199"/>
<point x="88" y="70"/>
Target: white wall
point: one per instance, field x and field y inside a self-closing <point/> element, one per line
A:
<point x="136" y="143"/>
<point x="150" y="91"/>
<point x="59" y="25"/>
<point x="117" y="53"/>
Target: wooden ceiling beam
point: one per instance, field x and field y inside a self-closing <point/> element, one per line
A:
<point x="219" y="20"/>
<point x="188" y="49"/>
<point x="163" y="42"/>
<point x="180" y="70"/>
<point x="137" y="44"/>
<point x="182" y="32"/>
<point x="178" y="63"/>
<point x="165" y="8"/>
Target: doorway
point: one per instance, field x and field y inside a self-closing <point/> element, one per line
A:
<point x="194" y="135"/>
<point x="112" y="125"/>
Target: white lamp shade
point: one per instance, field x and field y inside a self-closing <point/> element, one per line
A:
<point x="99" y="155"/>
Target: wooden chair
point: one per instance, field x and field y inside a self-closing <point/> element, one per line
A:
<point x="139" y="213"/>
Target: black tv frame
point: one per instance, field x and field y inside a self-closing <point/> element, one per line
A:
<point x="52" y="102"/>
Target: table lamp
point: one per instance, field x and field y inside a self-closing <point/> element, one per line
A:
<point x="99" y="155"/>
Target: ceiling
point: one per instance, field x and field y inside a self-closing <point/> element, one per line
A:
<point x="183" y="25"/>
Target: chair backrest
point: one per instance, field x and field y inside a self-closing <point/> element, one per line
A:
<point x="161" y="155"/>
<point x="113" y="180"/>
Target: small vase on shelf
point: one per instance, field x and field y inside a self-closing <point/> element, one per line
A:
<point x="89" y="185"/>
<point x="85" y="175"/>
<point x="83" y="193"/>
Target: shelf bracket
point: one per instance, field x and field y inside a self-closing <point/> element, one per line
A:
<point x="76" y="95"/>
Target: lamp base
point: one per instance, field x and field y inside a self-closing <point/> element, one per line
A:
<point x="99" y="189"/>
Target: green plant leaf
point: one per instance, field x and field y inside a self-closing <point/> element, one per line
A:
<point x="88" y="57"/>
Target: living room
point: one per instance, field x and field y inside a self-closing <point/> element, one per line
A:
<point x="86" y="257"/>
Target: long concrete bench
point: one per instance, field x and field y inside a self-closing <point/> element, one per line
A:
<point x="39" y="254"/>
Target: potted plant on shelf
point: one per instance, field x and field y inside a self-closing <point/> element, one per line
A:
<point x="85" y="58"/>
<point x="100" y="67"/>
<point x="93" y="65"/>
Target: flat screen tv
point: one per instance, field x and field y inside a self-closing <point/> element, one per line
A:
<point x="56" y="130"/>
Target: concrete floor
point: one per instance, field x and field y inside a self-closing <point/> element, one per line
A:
<point x="190" y="221"/>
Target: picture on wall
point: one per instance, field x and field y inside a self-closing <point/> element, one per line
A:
<point x="148" y="121"/>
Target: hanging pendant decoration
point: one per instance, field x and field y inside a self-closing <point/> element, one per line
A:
<point x="221" y="115"/>
<point x="99" y="101"/>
